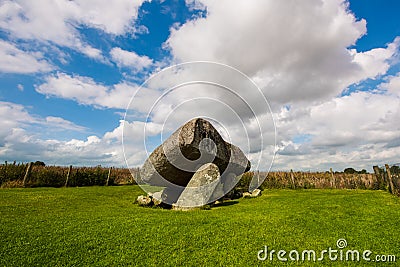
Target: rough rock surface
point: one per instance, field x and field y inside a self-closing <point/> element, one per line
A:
<point x="256" y="193"/>
<point x="200" y="188"/>
<point x="144" y="201"/>
<point x="157" y="198"/>
<point x="246" y="194"/>
<point x="194" y="144"/>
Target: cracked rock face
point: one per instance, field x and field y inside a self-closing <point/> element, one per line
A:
<point x="193" y="145"/>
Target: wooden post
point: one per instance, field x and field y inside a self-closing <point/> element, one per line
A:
<point x="68" y="174"/>
<point x="333" y="182"/>
<point x="5" y="170"/>
<point x="108" y="176"/>
<point x="378" y="176"/>
<point x="390" y="179"/>
<point x="27" y="173"/>
<point x="292" y="177"/>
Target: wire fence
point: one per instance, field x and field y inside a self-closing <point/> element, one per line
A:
<point x="385" y="177"/>
<point x="36" y="174"/>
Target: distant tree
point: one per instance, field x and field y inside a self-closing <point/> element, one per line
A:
<point x="39" y="163"/>
<point x="363" y="171"/>
<point x="350" y="171"/>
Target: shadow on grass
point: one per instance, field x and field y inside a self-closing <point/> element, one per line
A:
<point x="226" y="203"/>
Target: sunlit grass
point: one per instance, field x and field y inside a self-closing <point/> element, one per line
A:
<point x="101" y="226"/>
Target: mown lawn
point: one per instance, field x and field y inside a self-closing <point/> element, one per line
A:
<point x="101" y="226"/>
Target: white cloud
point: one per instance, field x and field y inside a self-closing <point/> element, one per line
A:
<point x="85" y="90"/>
<point x="60" y="123"/>
<point x="129" y="59"/>
<point x="295" y="51"/>
<point x="298" y="53"/>
<point x="19" y="140"/>
<point x="11" y="116"/>
<point x="17" y="116"/>
<point x="21" y="145"/>
<point x="14" y="60"/>
<point x="58" y="21"/>
<point x="392" y="85"/>
<point x="375" y="61"/>
<point x="355" y="130"/>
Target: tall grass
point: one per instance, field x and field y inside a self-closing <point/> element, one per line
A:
<point x="306" y="180"/>
<point x="12" y="175"/>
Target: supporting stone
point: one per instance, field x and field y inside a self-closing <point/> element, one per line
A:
<point x="199" y="189"/>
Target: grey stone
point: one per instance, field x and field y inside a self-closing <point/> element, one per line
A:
<point x="246" y="194"/>
<point x="256" y="193"/>
<point x="144" y="200"/>
<point x="171" y="194"/>
<point x="200" y="188"/>
<point x="194" y="144"/>
<point x="218" y="202"/>
<point x="157" y="198"/>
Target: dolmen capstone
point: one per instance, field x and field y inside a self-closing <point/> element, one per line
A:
<point x="195" y="165"/>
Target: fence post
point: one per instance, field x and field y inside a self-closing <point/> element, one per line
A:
<point x="292" y="177"/>
<point x="5" y="170"/>
<point x="389" y="179"/>
<point x="378" y="176"/>
<point x="68" y="174"/>
<point x="333" y="182"/>
<point x="27" y="173"/>
<point x="108" y="176"/>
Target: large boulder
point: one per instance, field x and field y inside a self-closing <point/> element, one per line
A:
<point x="193" y="145"/>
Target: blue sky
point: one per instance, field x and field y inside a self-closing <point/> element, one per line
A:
<point x="329" y="69"/>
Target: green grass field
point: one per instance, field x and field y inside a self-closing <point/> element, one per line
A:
<point x="101" y="226"/>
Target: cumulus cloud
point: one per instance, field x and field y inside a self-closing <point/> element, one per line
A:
<point x="358" y="129"/>
<point x="21" y="145"/>
<point x="58" y="21"/>
<point x="84" y="90"/>
<point x="392" y="85"/>
<point x="294" y="51"/>
<point x="15" y="60"/>
<point x="375" y="61"/>
<point x="60" y="123"/>
<point x="18" y="140"/>
<point x="129" y="59"/>
<point x="299" y="54"/>
<point x="12" y="115"/>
